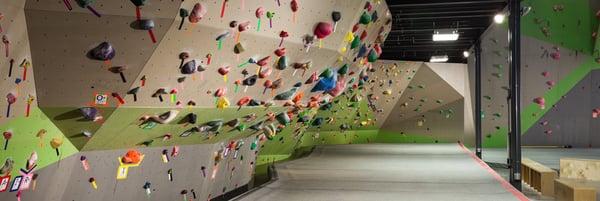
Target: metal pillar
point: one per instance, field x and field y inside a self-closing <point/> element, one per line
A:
<point x="478" y="134"/>
<point x="514" y="139"/>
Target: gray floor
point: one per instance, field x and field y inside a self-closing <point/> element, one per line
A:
<point x="381" y="172"/>
<point x="549" y="157"/>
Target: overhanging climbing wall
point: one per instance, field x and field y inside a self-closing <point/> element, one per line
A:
<point x="156" y="74"/>
<point x="116" y="77"/>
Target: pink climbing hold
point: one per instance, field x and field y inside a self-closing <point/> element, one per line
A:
<point x="555" y="55"/>
<point x="546" y="74"/>
<point x="541" y="102"/>
<point x="551" y="83"/>
<point x="198" y="13"/>
<point x="596" y="113"/>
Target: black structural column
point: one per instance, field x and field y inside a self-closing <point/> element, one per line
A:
<point x="514" y="139"/>
<point x="478" y="147"/>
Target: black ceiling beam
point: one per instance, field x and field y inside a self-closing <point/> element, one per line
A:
<point x="462" y="22"/>
<point x="441" y="17"/>
<point x="445" y="12"/>
<point x="426" y="40"/>
<point x="424" y="50"/>
<point x="429" y="45"/>
<point x="402" y="5"/>
<point x="433" y="29"/>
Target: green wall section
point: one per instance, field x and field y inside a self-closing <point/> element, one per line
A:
<point x="277" y="150"/>
<point x="71" y="123"/>
<point x="570" y="28"/>
<point x="24" y="141"/>
<point x="532" y="112"/>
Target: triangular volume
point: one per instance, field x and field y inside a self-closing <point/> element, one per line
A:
<point x="427" y="91"/>
<point x="388" y="82"/>
<point x="453" y="74"/>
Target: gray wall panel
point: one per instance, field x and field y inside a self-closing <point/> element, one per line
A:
<point x="187" y="175"/>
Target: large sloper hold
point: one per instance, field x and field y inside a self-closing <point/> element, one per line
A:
<point x="103" y="52"/>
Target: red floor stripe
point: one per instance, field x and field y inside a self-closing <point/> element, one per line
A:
<point x="496" y="176"/>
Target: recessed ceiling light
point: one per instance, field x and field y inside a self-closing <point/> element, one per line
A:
<point x="445" y="35"/>
<point x="499" y="18"/>
<point x="466" y="54"/>
<point x="438" y="59"/>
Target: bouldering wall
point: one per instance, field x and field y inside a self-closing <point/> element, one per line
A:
<point x="219" y="170"/>
<point x="390" y="80"/>
<point x="431" y="107"/>
<point x="17" y="79"/>
<point x="26" y="130"/>
<point x="557" y="47"/>
<point x="350" y="112"/>
<point x="194" y="77"/>
<point x="568" y="115"/>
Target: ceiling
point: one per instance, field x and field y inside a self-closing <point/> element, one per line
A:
<point x="415" y="20"/>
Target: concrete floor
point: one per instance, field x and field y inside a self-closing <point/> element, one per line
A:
<point x="381" y="172"/>
<point x="549" y="157"/>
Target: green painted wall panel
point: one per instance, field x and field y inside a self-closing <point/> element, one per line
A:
<point x="24" y="141"/>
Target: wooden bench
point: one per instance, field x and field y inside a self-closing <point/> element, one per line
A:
<point x="538" y="176"/>
<point x="575" y="190"/>
<point x="579" y="180"/>
<point x="575" y="168"/>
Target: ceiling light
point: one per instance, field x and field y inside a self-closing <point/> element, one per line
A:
<point x="445" y="35"/>
<point x="499" y="18"/>
<point x="466" y="54"/>
<point x="438" y="59"/>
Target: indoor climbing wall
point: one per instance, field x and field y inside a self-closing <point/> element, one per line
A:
<point x="27" y="133"/>
<point x="570" y="115"/>
<point x="17" y="84"/>
<point x="431" y="106"/>
<point x="162" y="174"/>
<point x="553" y="62"/>
<point x="166" y="100"/>
<point x="390" y="80"/>
<point x="441" y="125"/>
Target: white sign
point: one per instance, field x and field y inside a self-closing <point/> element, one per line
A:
<point x="101" y="99"/>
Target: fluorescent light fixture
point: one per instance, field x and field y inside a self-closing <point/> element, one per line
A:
<point x="438" y="59"/>
<point x="466" y="54"/>
<point x="445" y="35"/>
<point x="499" y="18"/>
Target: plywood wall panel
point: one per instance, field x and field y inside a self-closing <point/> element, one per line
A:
<point x="400" y="73"/>
<point x="67" y="180"/>
<point x="72" y="79"/>
<point x="151" y="9"/>
<point x="434" y="89"/>
<point x="15" y="29"/>
<point x="437" y="126"/>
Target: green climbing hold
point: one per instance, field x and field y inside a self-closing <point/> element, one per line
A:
<point x="343" y="70"/>
<point x="365" y="18"/>
<point x="355" y="43"/>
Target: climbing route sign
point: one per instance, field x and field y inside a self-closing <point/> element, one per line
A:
<point x="101" y="99"/>
<point x="4" y="181"/>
